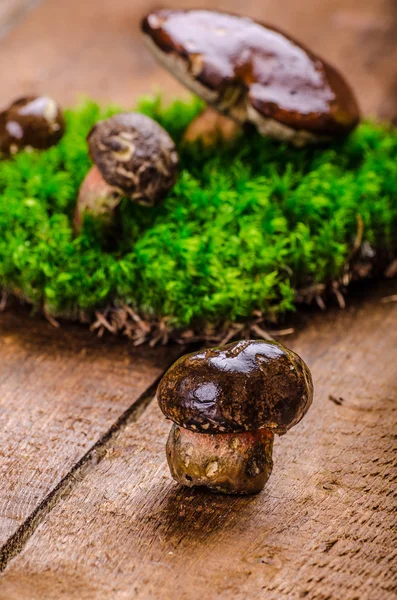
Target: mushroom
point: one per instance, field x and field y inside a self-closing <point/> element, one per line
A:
<point x="226" y="404"/>
<point x="31" y="122"/>
<point x="253" y="73"/>
<point x="134" y="157"/>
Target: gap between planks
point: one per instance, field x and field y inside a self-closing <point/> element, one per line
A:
<point x="86" y="465"/>
<point x="321" y="529"/>
<point x="60" y="392"/>
<point x="89" y="460"/>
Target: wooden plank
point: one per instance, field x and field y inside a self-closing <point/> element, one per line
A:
<point x="60" y="393"/>
<point x="71" y="48"/>
<point x="11" y="11"/>
<point x="321" y="530"/>
<point x="66" y="48"/>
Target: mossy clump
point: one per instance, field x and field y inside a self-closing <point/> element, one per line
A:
<point x="248" y="225"/>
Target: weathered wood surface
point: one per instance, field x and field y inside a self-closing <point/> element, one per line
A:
<point x="322" y="529"/>
<point x="11" y="11"/>
<point x="93" y="47"/>
<point x="60" y="393"/>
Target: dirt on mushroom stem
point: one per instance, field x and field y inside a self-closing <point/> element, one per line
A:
<point x="230" y="463"/>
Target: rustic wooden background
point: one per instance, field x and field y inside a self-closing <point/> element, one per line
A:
<point x="87" y="507"/>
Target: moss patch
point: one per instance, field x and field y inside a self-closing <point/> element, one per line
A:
<point x="247" y="225"/>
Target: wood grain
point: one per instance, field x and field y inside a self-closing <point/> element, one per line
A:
<point x="11" y="11"/>
<point x="321" y="530"/>
<point x="94" y="47"/>
<point x="113" y="523"/>
<point x="60" y="393"/>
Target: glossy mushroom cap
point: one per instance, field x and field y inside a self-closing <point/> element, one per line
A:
<point x="253" y="73"/>
<point x="35" y="122"/>
<point x="135" y="156"/>
<point x="243" y="386"/>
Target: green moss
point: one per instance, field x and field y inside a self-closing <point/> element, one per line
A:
<point x="246" y="225"/>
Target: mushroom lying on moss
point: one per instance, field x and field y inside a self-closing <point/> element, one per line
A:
<point x="134" y="157"/>
<point x="253" y="73"/>
<point x="31" y="122"/>
<point x="226" y="404"/>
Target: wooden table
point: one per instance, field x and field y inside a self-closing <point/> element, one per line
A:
<point x="87" y="507"/>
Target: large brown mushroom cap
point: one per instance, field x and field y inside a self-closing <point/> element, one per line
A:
<point x="33" y="121"/>
<point x="243" y="386"/>
<point x="135" y="155"/>
<point x="253" y="72"/>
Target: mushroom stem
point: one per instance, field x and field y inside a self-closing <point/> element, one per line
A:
<point x="211" y="128"/>
<point x="232" y="463"/>
<point x="96" y="198"/>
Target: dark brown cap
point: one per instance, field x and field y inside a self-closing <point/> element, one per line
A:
<point x="243" y="386"/>
<point x="34" y="121"/>
<point x="253" y="72"/>
<point x="135" y="155"/>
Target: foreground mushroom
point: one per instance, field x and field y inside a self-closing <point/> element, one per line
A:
<point x="253" y="73"/>
<point x="226" y="404"/>
<point x="134" y="157"/>
<point x="31" y="122"/>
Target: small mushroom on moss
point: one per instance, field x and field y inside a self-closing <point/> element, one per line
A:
<point x="31" y="122"/>
<point x="253" y="73"/>
<point x="226" y="404"/>
<point x="133" y="157"/>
